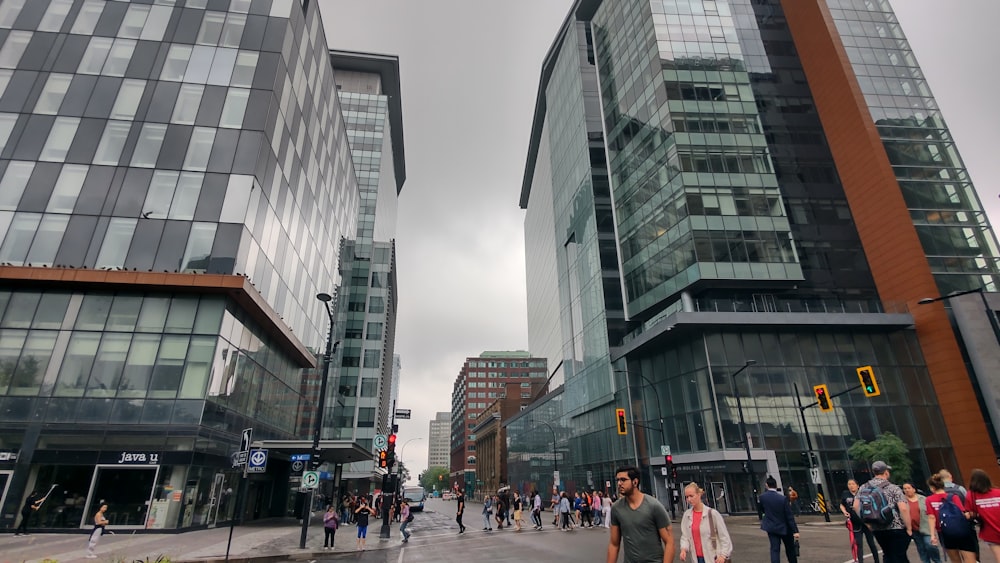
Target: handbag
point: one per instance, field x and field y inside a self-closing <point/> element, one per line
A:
<point x="714" y="535"/>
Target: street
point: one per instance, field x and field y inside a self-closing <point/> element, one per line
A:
<point x="435" y="538"/>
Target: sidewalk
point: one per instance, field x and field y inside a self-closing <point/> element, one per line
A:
<point x="261" y="541"/>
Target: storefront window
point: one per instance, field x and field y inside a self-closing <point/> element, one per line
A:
<point x="126" y="491"/>
<point x="65" y="506"/>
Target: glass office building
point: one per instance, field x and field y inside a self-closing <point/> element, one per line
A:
<point x="176" y="179"/>
<point x="699" y="209"/>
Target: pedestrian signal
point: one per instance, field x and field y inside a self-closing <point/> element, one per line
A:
<point x="622" y="424"/>
<point x="868" y="383"/>
<point x="383" y="459"/>
<point x="823" y="398"/>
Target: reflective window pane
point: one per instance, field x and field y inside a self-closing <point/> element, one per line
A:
<point x="60" y="138"/>
<point x="108" y="365"/>
<point x="211" y="28"/>
<point x="67" y="189"/>
<point x="153" y="315"/>
<point x="21" y="309"/>
<point x="13" y="48"/>
<point x="222" y="67"/>
<point x="235" y="107"/>
<point x="200" y="148"/>
<point x="176" y="63"/>
<point x="232" y="31"/>
<point x="55" y="15"/>
<point x="246" y="65"/>
<point x="19" y="235"/>
<point x="135" y="19"/>
<point x="188" y="101"/>
<point x="12" y="186"/>
<point x="186" y="196"/>
<point x="199" y="65"/>
<point x="75" y="369"/>
<point x="127" y="102"/>
<point x="119" y="57"/>
<point x="116" y="243"/>
<point x="169" y="367"/>
<point x="147" y="149"/>
<point x="109" y="150"/>
<point x="35" y="356"/>
<point x="87" y="19"/>
<point x="138" y="369"/>
<point x="95" y="55"/>
<point x="52" y="95"/>
<point x="51" y="311"/>
<point x="93" y="311"/>
<point x="11" y="343"/>
<point x="156" y="23"/>
<point x="160" y="194"/>
<point x="9" y="10"/>
<point x="199" y="247"/>
<point x="46" y="242"/>
<point x="124" y="313"/>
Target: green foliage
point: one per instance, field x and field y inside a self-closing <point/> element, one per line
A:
<point x="888" y="448"/>
<point x="435" y="479"/>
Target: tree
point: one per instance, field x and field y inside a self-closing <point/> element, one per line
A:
<point x="888" y="448"/>
<point x="435" y="479"/>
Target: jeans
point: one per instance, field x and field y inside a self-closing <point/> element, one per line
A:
<point x="458" y="518"/>
<point x="597" y="516"/>
<point x="487" y="525"/>
<point x="894" y="544"/>
<point x="536" y="518"/>
<point x="863" y="532"/>
<point x="402" y="530"/>
<point x="776" y="541"/>
<point x="928" y="552"/>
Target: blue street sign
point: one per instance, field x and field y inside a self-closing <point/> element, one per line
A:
<point x="257" y="462"/>
<point x="301" y="457"/>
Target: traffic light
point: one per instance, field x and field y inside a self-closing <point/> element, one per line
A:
<point x="390" y="452"/>
<point x="622" y="424"/>
<point x="441" y="477"/>
<point x="671" y="470"/>
<point x="868" y="384"/>
<point x="383" y="459"/>
<point x="823" y="398"/>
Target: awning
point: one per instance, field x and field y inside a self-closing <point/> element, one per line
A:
<point x="330" y="451"/>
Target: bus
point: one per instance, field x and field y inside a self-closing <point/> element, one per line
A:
<point x="416" y="497"/>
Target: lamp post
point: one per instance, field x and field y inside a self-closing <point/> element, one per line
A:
<point x="555" y="457"/>
<point x="986" y="404"/>
<point x="743" y="431"/>
<point x="331" y="348"/>
<point x="399" y="482"/>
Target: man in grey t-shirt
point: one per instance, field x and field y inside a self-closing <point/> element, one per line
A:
<point x="642" y="521"/>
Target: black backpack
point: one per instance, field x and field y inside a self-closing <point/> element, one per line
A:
<point x="874" y="506"/>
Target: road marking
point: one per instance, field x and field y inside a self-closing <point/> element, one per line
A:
<point x="865" y="557"/>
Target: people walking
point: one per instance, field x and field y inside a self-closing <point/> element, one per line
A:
<point x="857" y="528"/>
<point x="405" y="517"/>
<point x="536" y="509"/>
<point x="983" y="502"/>
<point x="361" y="515"/>
<point x="606" y="510"/>
<point x="518" y="505"/>
<point x="641" y="521"/>
<point x="595" y="508"/>
<point x="564" y="512"/>
<point x="330" y="524"/>
<point x="703" y="531"/>
<point x="100" y="521"/>
<point x="778" y="522"/>
<point x="487" y="512"/>
<point x="882" y="507"/>
<point x="460" y="501"/>
<point x="949" y="525"/>
<point x="919" y="523"/>
<point x="500" y="508"/>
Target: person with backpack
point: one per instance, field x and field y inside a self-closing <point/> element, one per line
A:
<point x="928" y="552"/>
<point x="882" y="507"/>
<point x="984" y="504"/>
<point x="950" y="524"/>
<point x="405" y="517"/>
<point x="857" y="528"/>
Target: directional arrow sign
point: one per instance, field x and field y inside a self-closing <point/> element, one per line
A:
<point x="257" y="462"/>
<point x="381" y="442"/>
<point x="310" y="479"/>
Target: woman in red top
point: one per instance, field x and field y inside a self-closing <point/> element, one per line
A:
<point x="963" y="551"/>
<point x="983" y="501"/>
<point x="697" y="527"/>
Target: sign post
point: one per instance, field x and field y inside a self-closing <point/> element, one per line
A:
<point x="241" y="458"/>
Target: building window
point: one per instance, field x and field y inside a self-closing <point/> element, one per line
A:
<point x="147" y="149"/>
<point x="116" y="243"/>
<point x="366" y="417"/>
<point x="60" y="138"/>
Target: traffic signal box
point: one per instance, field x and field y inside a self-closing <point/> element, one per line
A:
<point x="620" y="419"/>
<point x="823" y="398"/>
<point x="671" y="470"/>
<point x="868" y="383"/>
<point x="390" y="452"/>
<point x="383" y="459"/>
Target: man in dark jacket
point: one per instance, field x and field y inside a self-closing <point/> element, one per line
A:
<point x="778" y="522"/>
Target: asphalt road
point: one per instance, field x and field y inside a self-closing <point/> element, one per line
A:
<point x="435" y="539"/>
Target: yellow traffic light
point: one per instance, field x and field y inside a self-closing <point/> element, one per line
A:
<point x="622" y="424"/>
<point x="868" y="383"/>
<point x="823" y="398"/>
<point x="383" y="460"/>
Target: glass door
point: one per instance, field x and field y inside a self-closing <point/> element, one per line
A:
<point x="218" y="487"/>
<point x="128" y="492"/>
<point x="5" y="477"/>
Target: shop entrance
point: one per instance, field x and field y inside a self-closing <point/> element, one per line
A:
<point x="128" y="492"/>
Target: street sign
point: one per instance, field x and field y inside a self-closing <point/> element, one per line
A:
<point x="301" y="457"/>
<point x="814" y="473"/>
<point x="246" y="439"/>
<point x="239" y="458"/>
<point x="381" y="442"/>
<point x="257" y="462"/>
<point x="555" y="477"/>
<point x="403" y="414"/>
<point x="664" y="450"/>
<point x="298" y="466"/>
<point x="310" y="479"/>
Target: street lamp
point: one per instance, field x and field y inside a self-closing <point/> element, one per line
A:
<point x="743" y="431"/>
<point x="331" y="348"/>
<point x="555" y="457"/>
<point x="986" y="404"/>
<point x="399" y="482"/>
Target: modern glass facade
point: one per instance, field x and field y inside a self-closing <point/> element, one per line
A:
<point x="176" y="181"/>
<point x="735" y="241"/>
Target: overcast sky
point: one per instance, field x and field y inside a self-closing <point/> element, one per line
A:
<point x="470" y="72"/>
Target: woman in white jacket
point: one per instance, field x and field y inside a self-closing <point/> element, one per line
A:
<point x="697" y="527"/>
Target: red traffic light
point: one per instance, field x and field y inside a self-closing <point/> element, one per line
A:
<point x="392" y="440"/>
<point x="670" y="459"/>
